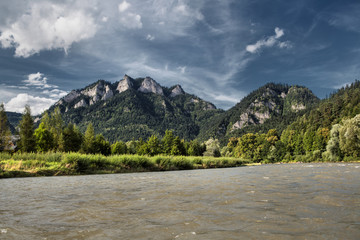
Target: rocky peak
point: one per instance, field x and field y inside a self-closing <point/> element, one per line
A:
<point x="149" y="85"/>
<point x="177" y="91"/>
<point x="125" y="84"/>
<point x="100" y="91"/>
<point x="71" y="96"/>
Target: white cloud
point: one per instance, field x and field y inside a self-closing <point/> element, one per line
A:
<point x="37" y="104"/>
<point x="104" y="19"/>
<point x="47" y="26"/>
<point x="131" y="20"/>
<point x="286" y="44"/>
<point x="182" y="69"/>
<point x="55" y="93"/>
<point x="150" y="37"/>
<point x="278" y="33"/>
<point x="38" y="80"/>
<point x="269" y="42"/>
<point x="124" y="6"/>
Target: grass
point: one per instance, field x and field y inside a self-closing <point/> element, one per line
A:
<point x="53" y="164"/>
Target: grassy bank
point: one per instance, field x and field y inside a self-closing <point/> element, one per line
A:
<point x="55" y="164"/>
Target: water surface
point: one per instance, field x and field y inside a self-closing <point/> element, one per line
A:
<point x="288" y="201"/>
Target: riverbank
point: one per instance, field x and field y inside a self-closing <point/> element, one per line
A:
<point x="60" y="164"/>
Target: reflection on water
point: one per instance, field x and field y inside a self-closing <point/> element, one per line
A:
<point x="289" y="201"/>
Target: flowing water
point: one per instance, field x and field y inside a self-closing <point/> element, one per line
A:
<point x="288" y="201"/>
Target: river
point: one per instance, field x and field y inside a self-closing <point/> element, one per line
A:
<point x="282" y="201"/>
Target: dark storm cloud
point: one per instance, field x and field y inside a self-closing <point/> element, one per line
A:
<point x="218" y="50"/>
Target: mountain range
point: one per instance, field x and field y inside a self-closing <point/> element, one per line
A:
<point x="138" y="108"/>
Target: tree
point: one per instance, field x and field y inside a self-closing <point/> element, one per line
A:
<point x="57" y="125"/>
<point x="44" y="139"/>
<point x="349" y="135"/>
<point x="101" y="145"/>
<point x="177" y="147"/>
<point x="212" y="148"/>
<point x="333" y="152"/>
<point x="320" y="140"/>
<point x="119" y="148"/>
<point x="167" y="142"/>
<point x="5" y="134"/>
<point x="246" y="146"/>
<point x="70" y="139"/>
<point x="89" y="139"/>
<point x="153" y="146"/>
<point x="195" y="148"/>
<point x="27" y="139"/>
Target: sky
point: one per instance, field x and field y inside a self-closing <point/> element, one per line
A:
<point x="218" y="50"/>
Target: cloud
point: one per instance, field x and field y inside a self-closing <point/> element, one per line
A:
<point x="55" y="93"/>
<point x="150" y="37"/>
<point x="124" y="6"/>
<point x="47" y="26"/>
<point x="37" y="104"/>
<point x="182" y="69"/>
<point x="40" y="95"/>
<point x="38" y="80"/>
<point x="129" y="20"/>
<point x="347" y="18"/>
<point x="269" y="42"/>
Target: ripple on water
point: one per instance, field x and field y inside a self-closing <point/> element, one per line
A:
<point x="303" y="201"/>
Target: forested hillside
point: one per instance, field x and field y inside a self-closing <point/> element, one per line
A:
<point x="136" y="108"/>
<point x="273" y="106"/>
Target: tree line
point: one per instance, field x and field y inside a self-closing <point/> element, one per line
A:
<point x="53" y="134"/>
<point x="296" y="143"/>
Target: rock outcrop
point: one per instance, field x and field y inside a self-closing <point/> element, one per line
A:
<point x="101" y="91"/>
<point x="148" y="85"/>
<point x="81" y="103"/>
<point x="177" y="91"/>
<point x="124" y="84"/>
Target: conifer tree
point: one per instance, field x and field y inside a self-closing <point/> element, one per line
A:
<point x="57" y="125"/>
<point x="27" y="139"/>
<point x="167" y="142"/>
<point x="89" y="139"/>
<point x="44" y="139"/>
<point x="70" y="139"/>
<point x="119" y="148"/>
<point x="153" y="146"/>
<point x="5" y="134"/>
<point x="101" y="145"/>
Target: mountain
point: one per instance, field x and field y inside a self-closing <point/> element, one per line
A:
<point x="14" y="120"/>
<point x="136" y="108"/>
<point x="344" y="104"/>
<point x="271" y="106"/>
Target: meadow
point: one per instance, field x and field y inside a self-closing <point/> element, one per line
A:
<point x="58" y="164"/>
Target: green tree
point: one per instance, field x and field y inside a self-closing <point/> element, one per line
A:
<point x="177" y="147"/>
<point x="333" y="152"/>
<point x="320" y="140"/>
<point x="308" y="140"/>
<point x="246" y="146"/>
<point x="119" y="148"/>
<point x="89" y="140"/>
<point x="43" y="138"/>
<point x="57" y="125"/>
<point x="212" y="148"/>
<point x="5" y="134"/>
<point x="167" y="142"/>
<point x="132" y="146"/>
<point x="153" y="146"/>
<point x="70" y="139"/>
<point x="27" y="140"/>
<point x="101" y="145"/>
<point x="349" y="135"/>
<point x="195" y="148"/>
